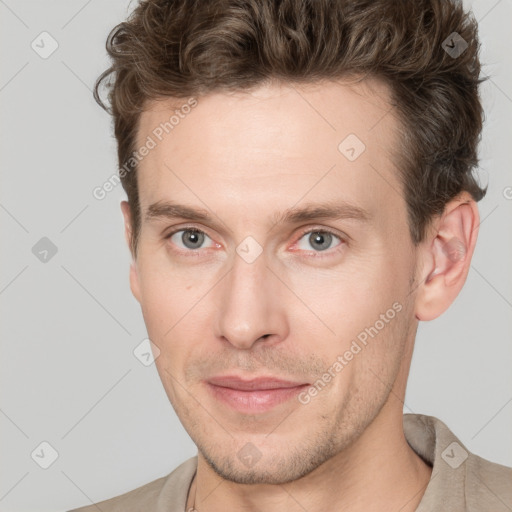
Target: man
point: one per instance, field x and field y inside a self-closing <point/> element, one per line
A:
<point x="300" y="196"/>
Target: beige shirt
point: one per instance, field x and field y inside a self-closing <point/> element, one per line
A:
<point x="460" y="481"/>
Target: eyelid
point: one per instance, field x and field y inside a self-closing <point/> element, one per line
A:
<point x="176" y="229"/>
<point x="322" y="229"/>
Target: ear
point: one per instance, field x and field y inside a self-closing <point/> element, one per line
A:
<point x="446" y="256"/>
<point x="128" y="233"/>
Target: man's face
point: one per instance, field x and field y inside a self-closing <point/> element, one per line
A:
<point x="252" y="295"/>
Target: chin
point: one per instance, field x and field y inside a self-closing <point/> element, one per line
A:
<point x="276" y="468"/>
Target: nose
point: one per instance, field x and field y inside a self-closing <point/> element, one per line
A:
<point x="251" y="308"/>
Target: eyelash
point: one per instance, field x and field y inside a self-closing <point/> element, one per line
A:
<point x="316" y="254"/>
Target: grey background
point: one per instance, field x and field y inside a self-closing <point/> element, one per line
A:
<point x="69" y="325"/>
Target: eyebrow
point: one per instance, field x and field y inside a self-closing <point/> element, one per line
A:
<point x="309" y="212"/>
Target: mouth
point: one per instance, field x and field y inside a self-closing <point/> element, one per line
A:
<point x="255" y="395"/>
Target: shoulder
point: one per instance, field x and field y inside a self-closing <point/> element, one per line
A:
<point x="140" y="498"/>
<point x="460" y="480"/>
<point x="488" y="483"/>
<point x="157" y="495"/>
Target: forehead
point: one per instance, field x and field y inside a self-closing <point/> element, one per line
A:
<point x="273" y="144"/>
<point x="356" y="106"/>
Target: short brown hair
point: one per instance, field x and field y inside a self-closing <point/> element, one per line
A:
<point x="183" y="48"/>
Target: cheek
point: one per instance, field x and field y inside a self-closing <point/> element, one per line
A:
<point x="349" y="299"/>
<point x="370" y="363"/>
<point x="167" y="292"/>
<point x="176" y="311"/>
<point x="360" y="317"/>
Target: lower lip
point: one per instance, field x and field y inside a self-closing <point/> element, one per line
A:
<point x="251" y="402"/>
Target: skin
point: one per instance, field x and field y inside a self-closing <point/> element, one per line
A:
<point x="245" y="157"/>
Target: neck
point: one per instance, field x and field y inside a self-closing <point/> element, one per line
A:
<point x="379" y="471"/>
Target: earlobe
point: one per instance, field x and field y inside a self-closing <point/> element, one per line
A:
<point x="446" y="256"/>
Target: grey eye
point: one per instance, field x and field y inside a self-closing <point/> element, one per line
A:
<point x="318" y="240"/>
<point x="192" y="239"/>
<point x="188" y="238"/>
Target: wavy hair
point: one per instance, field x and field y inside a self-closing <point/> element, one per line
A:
<point x="183" y="48"/>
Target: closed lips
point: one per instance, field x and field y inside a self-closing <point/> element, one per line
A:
<point x="253" y="384"/>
